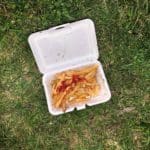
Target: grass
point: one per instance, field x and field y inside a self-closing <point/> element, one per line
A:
<point x="123" y="123"/>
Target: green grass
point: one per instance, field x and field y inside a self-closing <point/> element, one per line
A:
<point x="123" y="34"/>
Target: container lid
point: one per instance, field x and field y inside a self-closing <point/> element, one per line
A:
<point x="64" y="45"/>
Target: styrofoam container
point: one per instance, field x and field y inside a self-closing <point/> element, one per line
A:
<point x="65" y="47"/>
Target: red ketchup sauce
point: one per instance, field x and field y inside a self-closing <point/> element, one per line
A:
<point x="75" y="79"/>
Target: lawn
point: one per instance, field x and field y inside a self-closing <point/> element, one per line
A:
<point x="123" y="35"/>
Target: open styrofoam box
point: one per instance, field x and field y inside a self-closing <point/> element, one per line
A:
<point x="64" y="47"/>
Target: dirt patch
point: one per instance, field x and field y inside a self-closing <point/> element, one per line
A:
<point x="9" y="96"/>
<point x="113" y="144"/>
<point x="87" y="134"/>
<point x="137" y="138"/>
<point x="75" y="142"/>
<point x="147" y="97"/>
<point x="113" y="129"/>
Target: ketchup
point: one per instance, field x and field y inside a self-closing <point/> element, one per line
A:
<point x="75" y="79"/>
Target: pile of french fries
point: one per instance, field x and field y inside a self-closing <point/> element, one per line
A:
<point x="74" y="86"/>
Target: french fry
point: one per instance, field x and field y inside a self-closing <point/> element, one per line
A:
<point x="74" y="86"/>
